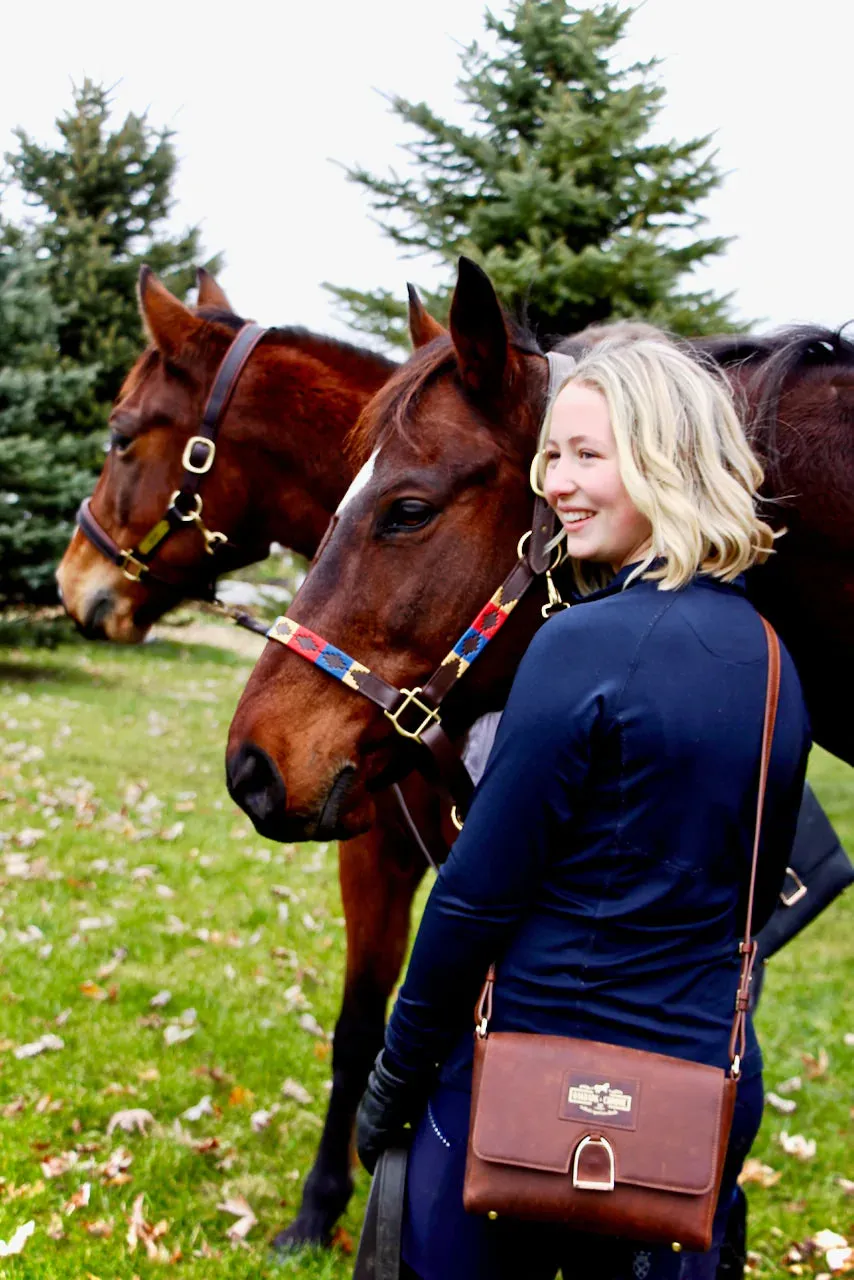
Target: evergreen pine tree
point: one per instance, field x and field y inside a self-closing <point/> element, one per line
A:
<point x="100" y="199"/>
<point x="45" y="466"/>
<point x="554" y="186"/>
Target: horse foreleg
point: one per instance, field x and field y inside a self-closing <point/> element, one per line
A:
<point x="379" y="873"/>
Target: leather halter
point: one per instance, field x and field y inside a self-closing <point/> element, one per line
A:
<point x="185" y="505"/>
<point x="415" y="713"/>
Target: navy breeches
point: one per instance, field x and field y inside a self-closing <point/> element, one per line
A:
<point x="443" y="1242"/>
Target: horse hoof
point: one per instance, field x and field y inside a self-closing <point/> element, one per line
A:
<point x="300" y="1235"/>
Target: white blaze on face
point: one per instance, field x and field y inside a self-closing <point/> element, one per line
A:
<point x="359" y="482"/>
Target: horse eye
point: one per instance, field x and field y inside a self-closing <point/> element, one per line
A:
<point x="119" y="442"/>
<point x="407" y="513"/>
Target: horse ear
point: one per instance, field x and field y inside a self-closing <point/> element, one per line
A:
<point x="478" y="330"/>
<point x="169" y="323"/>
<point x="422" y="327"/>
<point x="210" y="293"/>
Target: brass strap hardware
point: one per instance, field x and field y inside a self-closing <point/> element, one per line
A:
<point x="593" y="1184"/>
<point x="555" y="603"/>
<point x="799" y="891"/>
<point x="429" y="714"/>
<point x="132" y="568"/>
<point x="534" y="474"/>
<point x="186" y="517"/>
<point x="212" y="538"/>
<point x="187" y="458"/>
<point x="455" y="818"/>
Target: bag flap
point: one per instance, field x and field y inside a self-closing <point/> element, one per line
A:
<point x="539" y="1096"/>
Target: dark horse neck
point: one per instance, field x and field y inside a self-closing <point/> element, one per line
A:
<point x="325" y="384"/>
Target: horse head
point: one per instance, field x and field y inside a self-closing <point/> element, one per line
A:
<point x="276" y="473"/>
<point x="420" y="543"/>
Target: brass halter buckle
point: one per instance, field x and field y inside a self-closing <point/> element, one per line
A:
<point x="187" y="459"/>
<point x="131" y="567"/>
<point x="430" y="714"/>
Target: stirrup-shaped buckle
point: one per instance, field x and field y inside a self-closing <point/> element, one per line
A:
<point x="131" y="567"/>
<point x="800" y="890"/>
<point x="593" y="1184"/>
<point x="430" y="714"/>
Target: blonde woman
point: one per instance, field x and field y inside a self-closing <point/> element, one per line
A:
<point x="604" y="860"/>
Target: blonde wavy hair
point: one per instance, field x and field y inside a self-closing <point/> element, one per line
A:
<point x="684" y="460"/>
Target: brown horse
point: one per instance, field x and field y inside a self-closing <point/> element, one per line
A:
<point x="279" y="472"/>
<point x="436" y="527"/>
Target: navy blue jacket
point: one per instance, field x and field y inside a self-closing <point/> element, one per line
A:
<point x="604" y="861"/>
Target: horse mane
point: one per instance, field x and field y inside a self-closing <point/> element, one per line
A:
<point x="387" y="415"/>
<point x="771" y="362"/>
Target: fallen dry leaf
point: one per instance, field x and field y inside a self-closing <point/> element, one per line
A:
<point x="141" y="1231"/>
<point x="792" y="1085"/>
<point x="175" y="1035"/>
<point x="110" y="967"/>
<point x="17" y="1240"/>
<point x="784" y="1105"/>
<point x="204" y="1107"/>
<point x="44" y="1044"/>
<point x="239" y="1207"/>
<point x="762" y="1174"/>
<point x="840" y="1259"/>
<point x="101" y="1228"/>
<point x="846" y="1184"/>
<point x="309" y="1023"/>
<point x="92" y="991"/>
<point x="12" y="1108"/>
<point x="148" y="1073"/>
<point x="797" y="1145"/>
<point x="294" y="1090"/>
<point x="160" y="1000"/>
<point x="260" y="1120"/>
<point x="114" y="1167"/>
<point x="342" y="1240"/>
<point x="79" y="1199"/>
<point x="239" y="1096"/>
<point x="815" y="1067"/>
<point x="827" y="1239"/>
<point x="56" y="1166"/>
<point x="55" y="1229"/>
<point x="133" y="1120"/>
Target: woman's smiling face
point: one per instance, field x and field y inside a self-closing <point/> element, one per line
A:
<point x="583" y="482"/>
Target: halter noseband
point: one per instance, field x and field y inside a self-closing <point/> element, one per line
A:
<point x="185" y="505"/>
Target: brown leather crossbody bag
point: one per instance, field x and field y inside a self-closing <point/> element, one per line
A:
<point x="604" y="1138"/>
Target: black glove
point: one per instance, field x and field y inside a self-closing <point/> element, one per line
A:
<point x="388" y="1104"/>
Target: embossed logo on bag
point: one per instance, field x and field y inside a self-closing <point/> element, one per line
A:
<point x="599" y="1099"/>
<point x="611" y="1102"/>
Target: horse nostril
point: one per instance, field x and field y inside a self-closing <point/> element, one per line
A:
<point x="254" y="783"/>
<point x="99" y="609"/>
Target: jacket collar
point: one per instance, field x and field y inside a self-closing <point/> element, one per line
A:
<point x="618" y="583"/>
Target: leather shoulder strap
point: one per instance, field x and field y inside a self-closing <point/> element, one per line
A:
<point x="747" y="947"/>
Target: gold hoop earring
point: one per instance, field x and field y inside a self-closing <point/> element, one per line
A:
<point x="534" y="476"/>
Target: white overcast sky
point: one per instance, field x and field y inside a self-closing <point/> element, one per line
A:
<point x="263" y="96"/>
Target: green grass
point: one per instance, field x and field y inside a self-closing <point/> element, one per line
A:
<point x="88" y="735"/>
